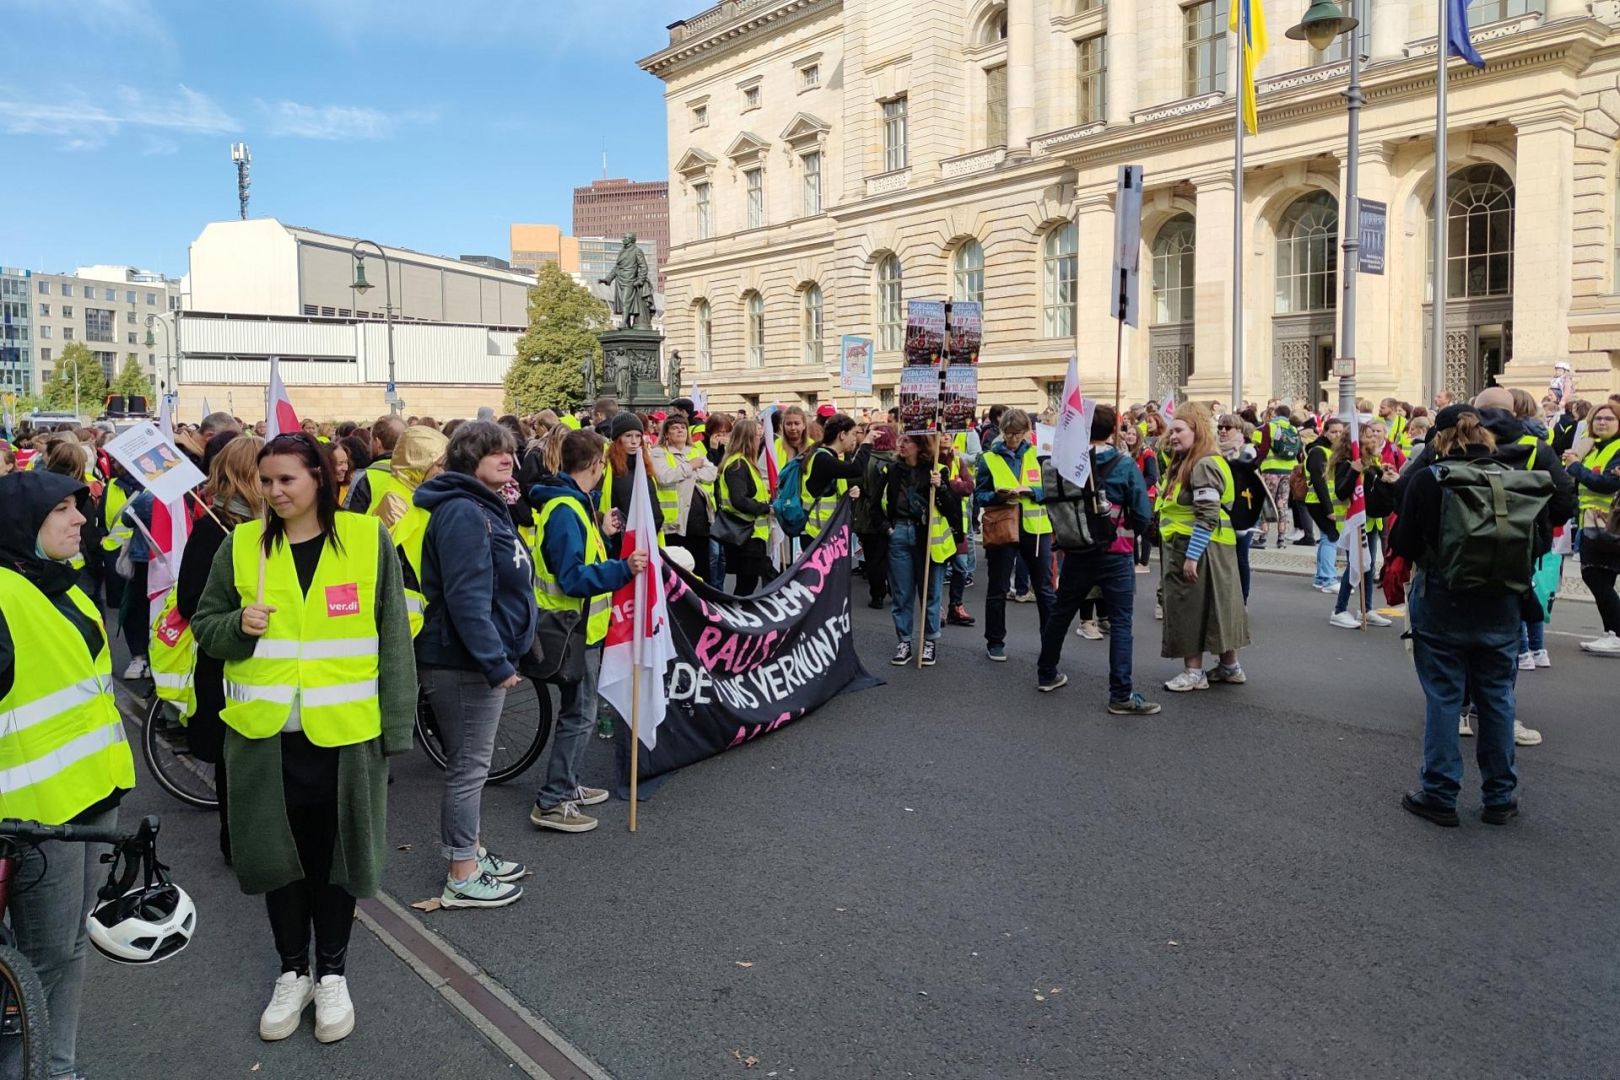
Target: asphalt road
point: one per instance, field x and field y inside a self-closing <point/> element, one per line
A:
<point x="953" y="876"/>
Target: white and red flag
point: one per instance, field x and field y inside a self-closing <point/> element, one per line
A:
<point x="1353" y="534"/>
<point x="279" y="417"/>
<point x="767" y="447"/>
<point x="1071" y="442"/>
<point x="171" y="526"/>
<point x="639" y="645"/>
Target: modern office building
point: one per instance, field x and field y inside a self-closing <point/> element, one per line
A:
<point x="832" y="159"/>
<point x="611" y="208"/>
<point x="533" y="246"/>
<point x="104" y="307"/>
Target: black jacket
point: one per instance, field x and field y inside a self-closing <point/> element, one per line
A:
<point x="1508" y="430"/>
<point x="824" y="470"/>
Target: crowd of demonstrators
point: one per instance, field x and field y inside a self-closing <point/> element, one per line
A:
<point x="1593" y="462"/>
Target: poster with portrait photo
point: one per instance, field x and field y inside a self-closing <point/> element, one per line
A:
<point x="918" y="398"/>
<point x="925" y="332"/>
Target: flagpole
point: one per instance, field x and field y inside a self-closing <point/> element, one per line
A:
<point x="1437" y="332"/>
<point x="1242" y="9"/>
<point x="637" y="629"/>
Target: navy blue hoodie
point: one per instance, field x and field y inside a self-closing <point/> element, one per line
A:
<point x="478" y="579"/>
<point x="563" y="546"/>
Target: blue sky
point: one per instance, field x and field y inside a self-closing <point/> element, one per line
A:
<point x="427" y="123"/>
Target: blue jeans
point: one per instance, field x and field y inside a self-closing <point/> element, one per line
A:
<point x="1020" y="579"/>
<point x="1112" y="572"/>
<point x="1465" y="644"/>
<point x="1345" y="586"/>
<point x="1326" y="550"/>
<point x="717" y="564"/>
<point x="576" y="716"/>
<point x="906" y="556"/>
<point x="1532" y="636"/>
<point x="958" y="571"/>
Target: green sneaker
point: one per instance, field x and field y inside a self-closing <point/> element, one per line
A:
<point x="480" y="890"/>
<point x="498" y="868"/>
<point x="604" y="727"/>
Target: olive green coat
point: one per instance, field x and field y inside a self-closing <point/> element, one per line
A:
<point x="262" y="848"/>
<point x="1207" y="615"/>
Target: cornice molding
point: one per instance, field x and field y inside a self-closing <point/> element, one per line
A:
<point x="711" y="32"/>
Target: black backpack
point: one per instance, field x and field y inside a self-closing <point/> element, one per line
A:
<point x="1083" y="520"/>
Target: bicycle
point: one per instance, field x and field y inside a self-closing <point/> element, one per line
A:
<point x="525" y="726"/>
<point x="169" y="758"/>
<point x="121" y="926"/>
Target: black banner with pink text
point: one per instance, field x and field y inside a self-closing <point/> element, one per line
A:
<point x="748" y="665"/>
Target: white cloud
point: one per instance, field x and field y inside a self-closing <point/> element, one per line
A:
<point x="295" y="120"/>
<point x="85" y="120"/>
<point x="123" y="19"/>
<point x="624" y="28"/>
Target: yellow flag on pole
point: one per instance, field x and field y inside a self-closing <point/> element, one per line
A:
<point x="1251" y="47"/>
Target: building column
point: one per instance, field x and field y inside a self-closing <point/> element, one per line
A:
<point x="1212" y="289"/>
<point x="1020" y="74"/>
<point x="1123" y="73"/>
<point x="1391" y="25"/>
<point x="1543" y="246"/>
<point x="1382" y="369"/>
<point x="1094" y="332"/>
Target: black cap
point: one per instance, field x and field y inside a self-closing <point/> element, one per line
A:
<point x="623" y="422"/>
<point x="1447" y="418"/>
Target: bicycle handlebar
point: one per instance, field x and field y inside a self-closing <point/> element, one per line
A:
<point x="34" y="832"/>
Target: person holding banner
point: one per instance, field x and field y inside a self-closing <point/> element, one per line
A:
<point x="1203" y="599"/>
<point x="1349" y="466"/>
<point x="906" y="502"/>
<point x="307" y="610"/>
<point x="1010" y="476"/>
<point x="745" y="498"/>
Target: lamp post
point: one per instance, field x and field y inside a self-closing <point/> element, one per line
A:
<point x="168" y="354"/>
<point x="1323" y="22"/>
<point x="362" y="286"/>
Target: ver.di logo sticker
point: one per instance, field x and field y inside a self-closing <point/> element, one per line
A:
<point x="343" y="599"/>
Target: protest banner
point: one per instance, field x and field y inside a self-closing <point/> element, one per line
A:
<point x="959" y="400"/>
<point x="925" y="332"/>
<point x="855" y="364"/>
<point x="155" y="462"/>
<point x="747" y="666"/>
<point x="918" y="398"/>
<point x="966" y="331"/>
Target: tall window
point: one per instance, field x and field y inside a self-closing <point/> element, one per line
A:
<point x="705" y="222"/>
<point x="894" y="135"/>
<point x="812" y="183"/>
<point x="1059" y="293"/>
<point x="812" y="329"/>
<point x="891" y="315"/>
<point x="1091" y="67"/>
<point x="967" y="273"/>
<point x="995" y="105"/>
<point x="756" y="197"/>
<point x="1204" y="47"/>
<point x="1173" y="271"/>
<point x="98" y="324"/>
<point x="756" y="330"/>
<point x="1479" y="240"/>
<point x="705" y="336"/>
<point x="1484" y="11"/>
<point x="1308" y="255"/>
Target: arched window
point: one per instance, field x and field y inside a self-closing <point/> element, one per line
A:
<point x="967" y="273"/>
<point x="756" y="330"/>
<point x="1308" y="255"/>
<point x="1058" y="291"/>
<point x="812" y="328"/>
<point x="1173" y="271"/>
<point x="705" y="336"/>
<point x="994" y="27"/>
<point x="1479" y="237"/>
<point x="891" y="314"/>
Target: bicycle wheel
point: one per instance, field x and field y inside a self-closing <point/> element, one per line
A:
<point x="25" y="1033"/>
<point x="519" y="740"/>
<point x="170" y="760"/>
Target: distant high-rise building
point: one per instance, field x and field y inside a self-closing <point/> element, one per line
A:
<point x="533" y="246"/>
<point x="105" y="307"/>
<point x="616" y="207"/>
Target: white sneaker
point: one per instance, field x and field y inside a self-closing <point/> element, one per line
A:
<point x="1158" y="611"/>
<point x="1541" y="658"/>
<point x="1607" y="645"/>
<point x="1375" y="619"/>
<point x="1331" y="590"/>
<point x="1462" y="725"/>
<point x="1344" y="620"/>
<point x="1527" y="661"/>
<point x="334" y="1012"/>
<point x="288" y="999"/>
<point x="1188" y="680"/>
<point x="1523" y="736"/>
<point x="1296" y="535"/>
<point x="1089" y="630"/>
<point x="137" y="668"/>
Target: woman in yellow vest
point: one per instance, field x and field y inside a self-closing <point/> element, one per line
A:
<point x="63" y="755"/>
<point x="1203" y="597"/>
<point x="829" y="469"/>
<point x="234" y="496"/>
<point x="685" y="484"/>
<point x="744" y="496"/>
<point x="618" y="480"/>
<point x="1009" y="474"/>
<point x="320" y="685"/>
<point x="1594" y="465"/>
<point x="905" y="502"/>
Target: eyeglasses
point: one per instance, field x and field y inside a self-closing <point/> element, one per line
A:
<point x="1226" y="427"/>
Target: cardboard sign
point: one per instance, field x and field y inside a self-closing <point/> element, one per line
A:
<point x="855" y="364"/>
<point x="155" y="462"/>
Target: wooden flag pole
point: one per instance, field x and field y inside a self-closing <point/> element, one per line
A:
<point x="205" y="509"/>
<point x="928" y="529"/>
<point x="635" y="733"/>
<point x="265" y="522"/>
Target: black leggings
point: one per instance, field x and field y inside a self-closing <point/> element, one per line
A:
<point x="294" y="908"/>
<point x="1601" y="583"/>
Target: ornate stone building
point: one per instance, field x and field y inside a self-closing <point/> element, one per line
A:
<point x="830" y="159"/>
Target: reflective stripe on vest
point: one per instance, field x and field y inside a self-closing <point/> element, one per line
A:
<point x="321" y="647"/>
<point x="172" y="652"/>
<point x="1598" y="461"/>
<point x="1032" y="515"/>
<point x="548" y="591"/>
<point x="118" y="527"/>
<point x="819" y="511"/>
<point x="762" y="493"/>
<point x="62" y="745"/>
<point x="1180" y="519"/>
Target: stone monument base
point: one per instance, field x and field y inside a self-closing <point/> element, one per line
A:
<point x="630" y="368"/>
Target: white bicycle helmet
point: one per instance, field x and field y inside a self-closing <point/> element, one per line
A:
<point x="146" y="924"/>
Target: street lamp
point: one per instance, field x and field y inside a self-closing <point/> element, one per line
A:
<point x="168" y="361"/>
<point x="362" y="286"/>
<point x="1323" y="22"/>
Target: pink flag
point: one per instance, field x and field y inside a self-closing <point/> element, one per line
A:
<point x="638" y="635"/>
<point x="1071" y="443"/>
<point x="279" y="418"/>
<point x="767" y="447"/>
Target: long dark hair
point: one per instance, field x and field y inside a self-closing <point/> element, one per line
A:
<point x="318" y="461"/>
<point x="835" y="426"/>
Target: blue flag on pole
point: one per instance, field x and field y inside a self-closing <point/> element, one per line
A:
<point x="1458" y="42"/>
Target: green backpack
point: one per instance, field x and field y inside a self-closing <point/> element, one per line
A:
<point x="1488" y="514"/>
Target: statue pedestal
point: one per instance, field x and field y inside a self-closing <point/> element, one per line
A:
<point x="630" y="367"/>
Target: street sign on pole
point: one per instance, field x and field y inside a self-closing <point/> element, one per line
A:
<point x="1125" y="277"/>
<point x="1373" y="220"/>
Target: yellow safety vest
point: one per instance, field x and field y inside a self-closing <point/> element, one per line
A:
<point x="606" y="504"/>
<point x="408" y="534"/>
<point x="1311" y="498"/>
<point x="1397" y="432"/>
<point x="1032" y="515"/>
<point x="380" y="481"/>
<point x="762" y="493"/>
<point x="818" y="511"/>
<point x="1598" y="461"/>
<point x="941" y="541"/>
<point x="697" y="431"/>
<point x="1178" y="519"/>
<point x="172" y="652"/>
<point x="62" y="745"/>
<point x="321" y="647"/>
<point x="571" y="422"/>
<point x="548" y="591"/>
<point x="1272" y="463"/>
<point x="118" y="527"/>
<point x="671" y="499"/>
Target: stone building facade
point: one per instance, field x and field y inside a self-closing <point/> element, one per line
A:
<point x="830" y="159"/>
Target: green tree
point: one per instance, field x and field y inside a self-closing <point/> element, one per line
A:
<point x="133" y="380"/>
<point x="92" y="382"/>
<point x="564" y="319"/>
